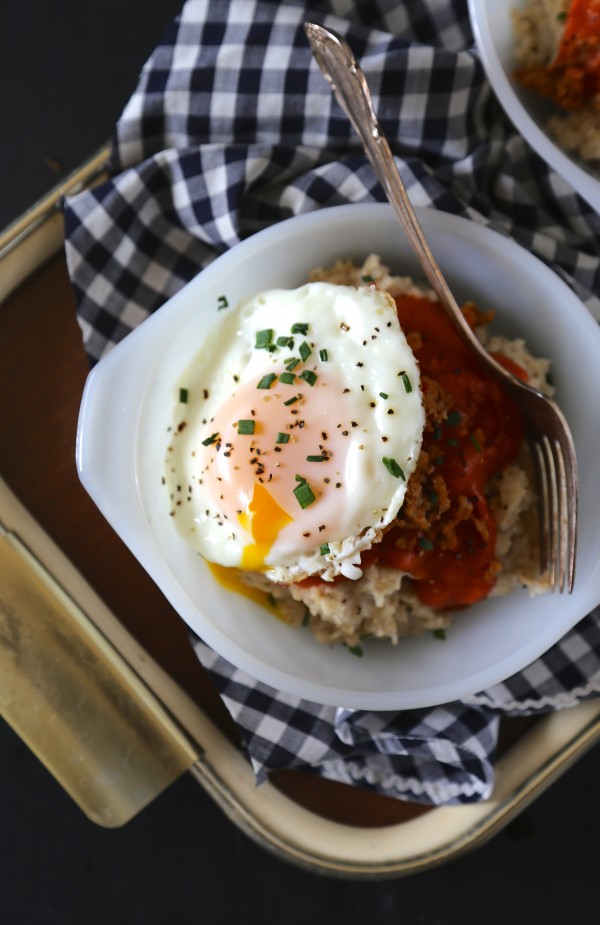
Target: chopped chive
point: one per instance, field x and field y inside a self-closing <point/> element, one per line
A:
<point x="287" y="378"/>
<point x="285" y="341"/>
<point x="299" y="328"/>
<point x="291" y="401"/>
<point x="263" y="338"/>
<point x="183" y="396"/>
<point x="439" y="634"/>
<point x="433" y="497"/>
<point x="320" y="458"/>
<point x="246" y="427"/>
<point x="383" y="395"/>
<point x="308" y="376"/>
<point x="452" y="442"/>
<point x="300" y="478"/>
<point x="367" y="279"/>
<point x="222" y="302"/>
<point x="304" y="351"/>
<point x="454" y="418"/>
<point x="324" y="549"/>
<point x="212" y="439"/>
<point x="424" y="543"/>
<point x="267" y="381"/>
<point x="393" y="468"/>
<point x="305" y="618"/>
<point x="304" y="494"/>
<point x="323" y="355"/>
<point x="439" y="460"/>
<point x="291" y="363"/>
<point x="271" y="348"/>
<point x="437" y="432"/>
<point x="475" y="443"/>
<point x="355" y="650"/>
<point x="282" y="438"/>
<point x="406" y="382"/>
<point x="562" y="16"/>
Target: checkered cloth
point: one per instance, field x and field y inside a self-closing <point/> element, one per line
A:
<point x="232" y="128"/>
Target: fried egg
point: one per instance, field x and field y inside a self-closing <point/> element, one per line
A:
<point x="295" y="431"/>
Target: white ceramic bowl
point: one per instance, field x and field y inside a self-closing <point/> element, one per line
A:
<point x="492" y="26"/>
<point x="122" y="433"/>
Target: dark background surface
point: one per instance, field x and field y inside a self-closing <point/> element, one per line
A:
<point x="66" y="70"/>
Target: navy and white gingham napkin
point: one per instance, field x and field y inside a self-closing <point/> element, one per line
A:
<point x="232" y="128"/>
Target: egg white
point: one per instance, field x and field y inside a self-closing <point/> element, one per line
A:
<point x="359" y="348"/>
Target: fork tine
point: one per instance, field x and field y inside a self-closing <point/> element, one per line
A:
<point x="538" y="452"/>
<point x="557" y="484"/>
<point x="556" y="519"/>
<point x="562" y="537"/>
<point x="567" y="466"/>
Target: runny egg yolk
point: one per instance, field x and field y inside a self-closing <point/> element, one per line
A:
<point x="266" y="442"/>
<point x="264" y="521"/>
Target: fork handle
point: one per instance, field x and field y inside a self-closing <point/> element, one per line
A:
<point x="349" y="85"/>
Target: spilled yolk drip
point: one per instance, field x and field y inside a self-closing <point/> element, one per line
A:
<point x="229" y="578"/>
<point x="263" y="521"/>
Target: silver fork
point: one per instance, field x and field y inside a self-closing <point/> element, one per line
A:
<point x="548" y="434"/>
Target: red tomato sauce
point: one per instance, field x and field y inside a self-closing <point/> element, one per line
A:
<point x="482" y="433"/>
<point x="572" y="79"/>
<point x="579" y="51"/>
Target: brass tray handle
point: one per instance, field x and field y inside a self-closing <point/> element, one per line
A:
<point x="75" y="702"/>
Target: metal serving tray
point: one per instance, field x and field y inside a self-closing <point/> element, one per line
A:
<point x="108" y="663"/>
